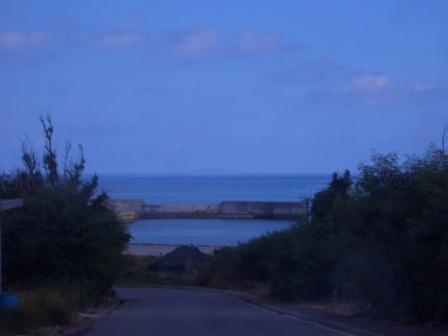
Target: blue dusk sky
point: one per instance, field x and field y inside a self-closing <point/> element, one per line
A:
<point x="200" y="86"/>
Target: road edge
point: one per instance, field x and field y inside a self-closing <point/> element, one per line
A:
<point x="258" y="302"/>
<point x="93" y="322"/>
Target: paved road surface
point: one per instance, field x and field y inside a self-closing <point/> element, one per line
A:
<point x="179" y="312"/>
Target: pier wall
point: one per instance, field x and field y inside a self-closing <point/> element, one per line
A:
<point x="131" y="210"/>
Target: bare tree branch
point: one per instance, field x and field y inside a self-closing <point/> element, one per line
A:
<point x="50" y="158"/>
<point x="444" y="138"/>
<point x="68" y="148"/>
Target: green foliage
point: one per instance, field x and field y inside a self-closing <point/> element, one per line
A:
<point x="325" y="200"/>
<point x="46" y="307"/>
<point x="65" y="234"/>
<point x="379" y="242"/>
<point x="136" y="272"/>
<point x="38" y="308"/>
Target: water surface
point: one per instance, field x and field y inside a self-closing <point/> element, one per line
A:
<point x="208" y="190"/>
<point x="212" y="189"/>
<point x="220" y="232"/>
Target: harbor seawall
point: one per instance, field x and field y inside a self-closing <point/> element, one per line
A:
<point x="131" y="210"/>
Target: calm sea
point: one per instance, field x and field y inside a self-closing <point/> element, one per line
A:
<point x="208" y="190"/>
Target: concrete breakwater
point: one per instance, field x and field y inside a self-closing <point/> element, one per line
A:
<point x="131" y="210"/>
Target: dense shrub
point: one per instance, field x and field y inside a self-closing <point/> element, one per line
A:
<point x="65" y="235"/>
<point x="379" y="241"/>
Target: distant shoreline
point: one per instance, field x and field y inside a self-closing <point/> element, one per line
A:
<point x="157" y="250"/>
<point x="130" y="210"/>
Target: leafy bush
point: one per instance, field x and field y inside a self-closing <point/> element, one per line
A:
<point x="379" y="241"/>
<point x="65" y="235"/>
<point x="137" y="272"/>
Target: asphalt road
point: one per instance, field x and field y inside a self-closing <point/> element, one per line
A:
<point x="179" y="312"/>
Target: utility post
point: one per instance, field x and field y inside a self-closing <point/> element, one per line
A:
<point x="6" y="205"/>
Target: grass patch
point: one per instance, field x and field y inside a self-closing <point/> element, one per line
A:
<point x="37" y="308"/>
<point x="135" y="272"/>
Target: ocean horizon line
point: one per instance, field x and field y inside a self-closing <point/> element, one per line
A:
<point x="311" y="174"/>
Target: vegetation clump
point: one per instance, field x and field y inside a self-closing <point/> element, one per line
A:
<point x="182" y="259"/>
<point x="65" y="237"/>
<point x="138" y="271"/>
<point x="378" y="241"/>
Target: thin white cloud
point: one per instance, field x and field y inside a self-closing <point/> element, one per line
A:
<point x="199" y="45"/>
<point x="370" y="83"/>
<point x="378" y="89"/>
<point x="253" y="42"/>
<point x="202" y="44"/>
<point x="208" y="44"/>
<point x="311" y="71"/>
<point x="115" y="40"/>
<point x="13" y="39"/>
<point x="187" y="45"/>
<point x="381" y="89"/>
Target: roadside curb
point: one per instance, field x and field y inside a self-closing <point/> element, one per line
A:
<point x="85" y="328"/>
<point x="256" y="301"/>
<point x="349" y="330"/>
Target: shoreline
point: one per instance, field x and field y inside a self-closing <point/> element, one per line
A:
<point x="130" y="210"/>
<point x="158" y="250"/>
